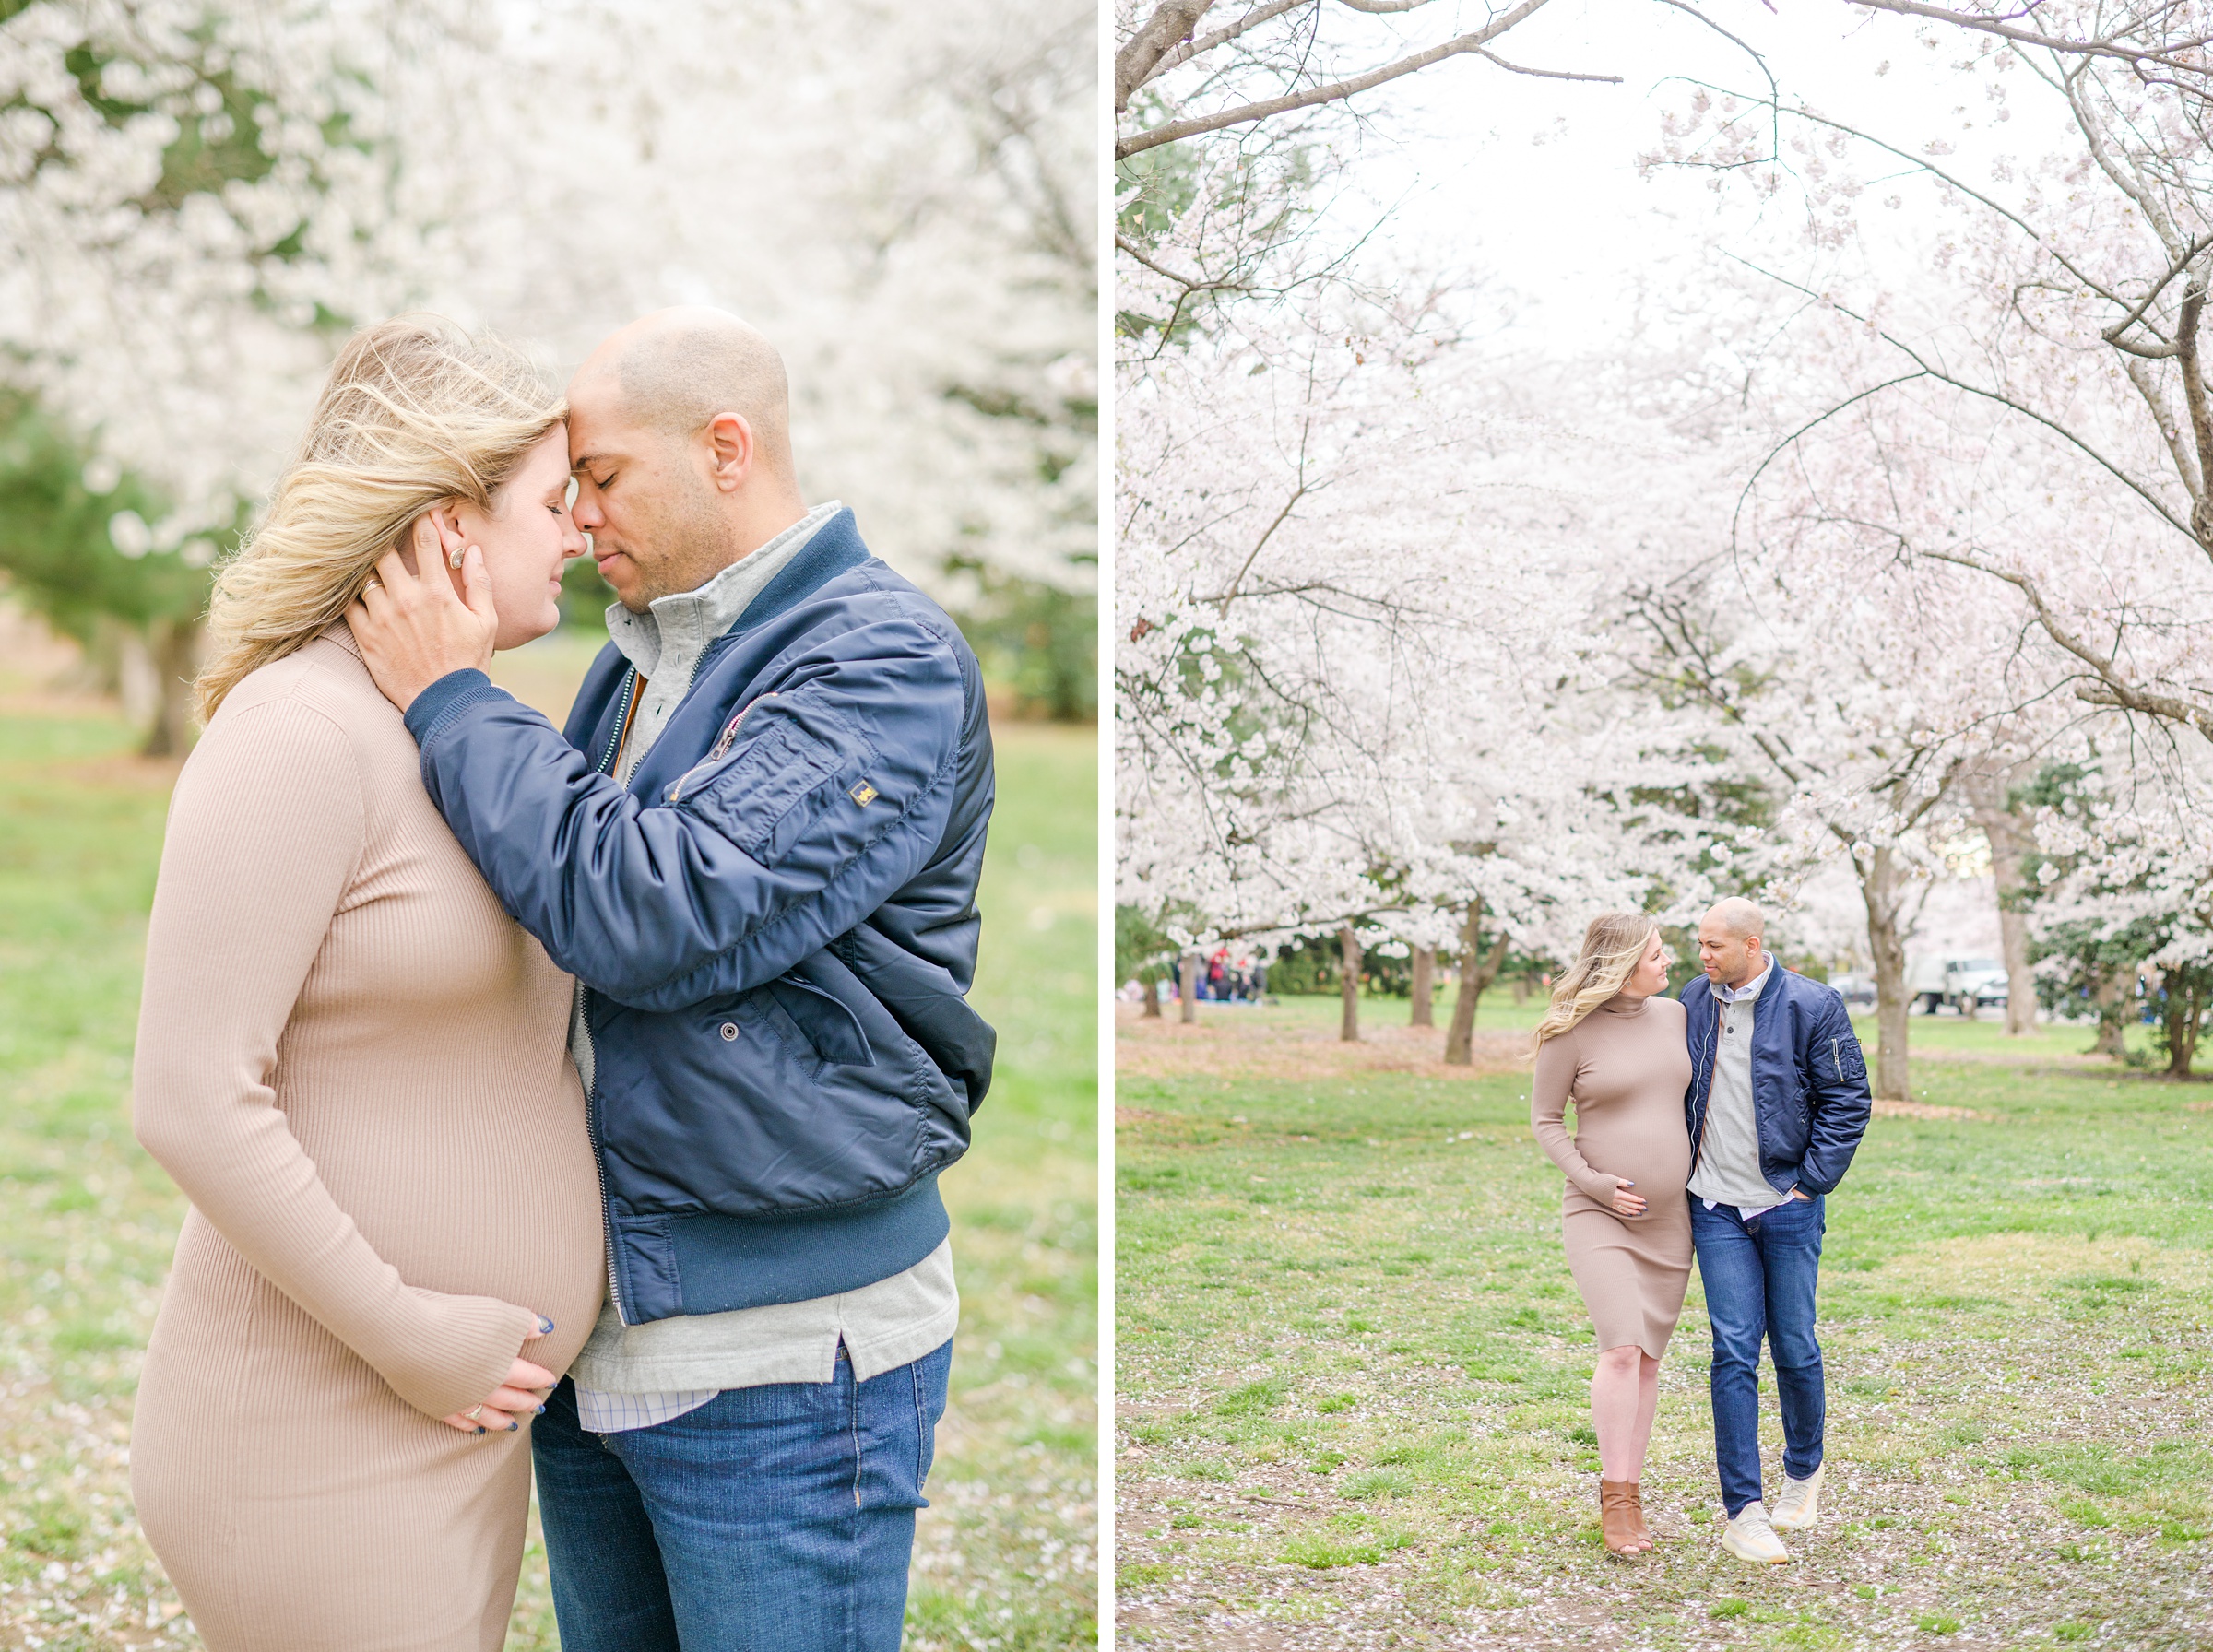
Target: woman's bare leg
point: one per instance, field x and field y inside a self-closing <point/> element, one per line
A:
<point x="1618" y="1413"/>
<point x="1648" y="1406"/>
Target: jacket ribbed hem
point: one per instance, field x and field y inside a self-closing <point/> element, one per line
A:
<point x="446" y="699"/>
<point x="712" y="1264"/>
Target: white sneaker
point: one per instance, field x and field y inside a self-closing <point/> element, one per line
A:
<point x="1751" y="1537"/>
<point x="1800" y="1504"/>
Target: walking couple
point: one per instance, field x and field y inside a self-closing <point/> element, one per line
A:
<point x="575" y="1096"/>
<point x="1719" y="1126"/>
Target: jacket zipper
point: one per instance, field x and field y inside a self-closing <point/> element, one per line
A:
<point x="584" y="1015"/>
<point x="1836" y="1054"/>
<point x="1697" y="1149"/>
<point x="716" y="753"/>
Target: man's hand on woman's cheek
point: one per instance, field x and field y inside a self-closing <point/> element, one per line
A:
<point x="411" y="627"/>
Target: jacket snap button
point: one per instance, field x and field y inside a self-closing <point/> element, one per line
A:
<point x="730" y="1031"/>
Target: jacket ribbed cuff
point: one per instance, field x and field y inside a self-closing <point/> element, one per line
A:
<point x="446" y="700"/>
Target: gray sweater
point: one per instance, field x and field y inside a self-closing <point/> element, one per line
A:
<point x="1727" y="1171"/>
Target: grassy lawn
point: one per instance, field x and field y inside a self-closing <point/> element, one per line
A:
<point x="1352" y="1386"/>
<point x="87" y="1221"/>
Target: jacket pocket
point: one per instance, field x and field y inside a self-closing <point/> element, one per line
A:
<point x="779" y="781"/>
<point x="832" y="1030"/>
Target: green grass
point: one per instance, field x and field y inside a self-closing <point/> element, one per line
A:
<point x="1498" y="1012"/>
<point x="1005" y="1555"/>
<point x="1353" y="1368"/>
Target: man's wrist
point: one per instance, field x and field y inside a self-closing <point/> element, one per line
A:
<point x="430" y="708"/>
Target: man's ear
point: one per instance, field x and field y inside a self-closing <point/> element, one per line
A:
<point x="731" y="451"/>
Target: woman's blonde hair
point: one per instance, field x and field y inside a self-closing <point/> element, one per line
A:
<point x="416" y="413"/>
<point x="1613" y="947"/>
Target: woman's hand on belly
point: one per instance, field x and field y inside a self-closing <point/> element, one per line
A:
<point x="521" y="1394"/>
<point x="1624" y="1203"/>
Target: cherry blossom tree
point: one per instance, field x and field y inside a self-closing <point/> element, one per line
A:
<point x="2048" y="356"/>
<point x="1362" y="692"/>
<point x="2018" y="399"/>
<point x="199" y="198"/>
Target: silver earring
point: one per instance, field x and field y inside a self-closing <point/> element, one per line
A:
<point x="453" y="559"/>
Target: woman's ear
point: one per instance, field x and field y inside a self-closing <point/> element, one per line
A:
<point x="446" y="518"/>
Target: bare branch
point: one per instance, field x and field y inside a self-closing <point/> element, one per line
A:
<point x="2110" y="687"/>
<point x="2105" y="46"/>
<point x="1187" y="283"/>
<point x="1516" y="68"/>
<point x="1997" y="398"/>
<point x="1176" y="56"/>
<point x="1245" y="113"/>
<point x="1260" y="545"/>
<point x="1172" y="21"/>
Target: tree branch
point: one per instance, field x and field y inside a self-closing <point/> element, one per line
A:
<point x="1245" y="113"/>
<point x="1172" y="21"/>
<point x="1997" y="397"/>
<point x="2105" y="46"/>
<point x="1176" y="56"/>
<point x="2111" y="688"/>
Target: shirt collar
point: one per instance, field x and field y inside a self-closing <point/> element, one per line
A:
<point x="1750" y="989"/>
<point x="675" y="630"/>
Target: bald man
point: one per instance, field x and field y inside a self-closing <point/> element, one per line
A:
<point x="1777" y="1104"/>
<point x="756" y="844"/>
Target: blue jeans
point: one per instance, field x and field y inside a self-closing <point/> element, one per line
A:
<point x="1760" y="1277"/>
<point x="777" y="1518"/>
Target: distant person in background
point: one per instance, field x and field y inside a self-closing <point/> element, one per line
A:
<point x="1612" y="1044"/>
<point x="1776" y="1106"/>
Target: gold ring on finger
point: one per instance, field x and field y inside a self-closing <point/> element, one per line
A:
<point x="475" y="1413"/>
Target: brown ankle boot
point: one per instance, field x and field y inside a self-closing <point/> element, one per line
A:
<point x="1620" y="1517"/>
<point x="1644" y="1532"/>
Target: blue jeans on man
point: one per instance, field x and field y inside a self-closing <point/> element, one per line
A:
<point x="1759" y="1276"/>
<point x="774" y="1518"/>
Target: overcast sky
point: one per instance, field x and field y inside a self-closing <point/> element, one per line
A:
<point x="1534" y="182"/>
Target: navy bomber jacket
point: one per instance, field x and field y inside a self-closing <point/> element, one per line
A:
<point x="774" y="924"/>
<point x="1809" y="1081"/>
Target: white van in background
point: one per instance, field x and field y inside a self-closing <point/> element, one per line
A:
<point x="1966" y="983"/>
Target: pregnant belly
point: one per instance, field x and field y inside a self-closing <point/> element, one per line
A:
<point x="1656" y="1156"/>
<point x="482" y="1201"/>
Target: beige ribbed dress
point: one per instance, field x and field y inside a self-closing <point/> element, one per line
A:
<point x="355" y="1065"/>
<point x="1626" y="1066"/>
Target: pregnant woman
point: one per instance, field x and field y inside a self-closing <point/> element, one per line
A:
<point x="1612" y="1043"/>
<point x="355" y="1065"/>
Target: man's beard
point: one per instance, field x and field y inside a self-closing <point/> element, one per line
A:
<point x="696" y="540"/>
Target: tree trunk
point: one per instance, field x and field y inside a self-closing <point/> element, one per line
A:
<point x="1151" y="997"/>
<point x="2002" y="830"/>
<point x="1187" y="986"/>
<point x="173" y="656"/>
<point x="1882" y="888"/>
<point x="1348" y="955"/>
<point x="1425" y="988"/>
<point x="2112" y="1019"/>
<point x="1476" y="973"/>
<point x="2185" y="1013"/>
